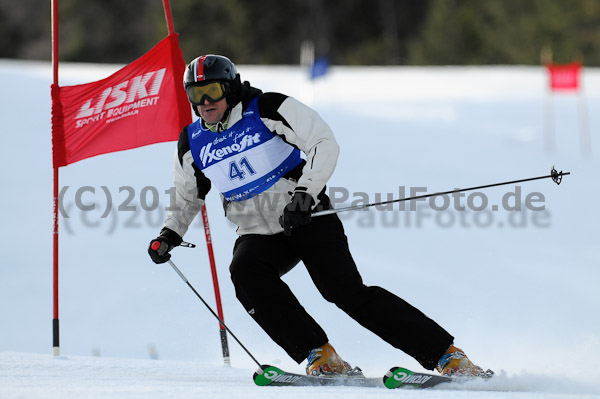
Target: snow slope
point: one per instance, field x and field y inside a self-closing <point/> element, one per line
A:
<point x="41" y="376"/>
<point x="516" y="289"/>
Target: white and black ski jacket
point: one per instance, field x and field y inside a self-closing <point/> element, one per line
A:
<point x="299" y="126"/>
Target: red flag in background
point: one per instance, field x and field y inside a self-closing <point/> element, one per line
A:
<point x="142" y="103"/>
<point x="564" y="77"/>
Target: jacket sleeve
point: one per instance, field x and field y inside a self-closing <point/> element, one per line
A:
<point x="191" y="187"/>
<point x="302" y="127"/>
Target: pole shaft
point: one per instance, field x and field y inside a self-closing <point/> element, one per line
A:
<point x="55" y="249"/>
<point x="584" y="127"/>
<point x="168" y="16"/>
<point x="213" y="270"/>
<point x="211" y="258"/>
<point x="55" y="322"/>
<point x="54" y="17"/>
<point x="354" y="208"/>
<point x="185" y="280"/>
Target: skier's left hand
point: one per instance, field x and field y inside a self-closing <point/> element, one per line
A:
<point x="297" y="212"/>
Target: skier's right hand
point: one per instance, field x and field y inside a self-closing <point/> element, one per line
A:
<point x="160" y="247"/>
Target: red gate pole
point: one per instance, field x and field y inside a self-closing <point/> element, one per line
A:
<point x="213" y="269"/>
<point x="168" y="16"/>
<point x="209" y="247"/>
<point x="55" y="323"/>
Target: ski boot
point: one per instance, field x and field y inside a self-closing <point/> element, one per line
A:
<point x="455" y="363"/>
<point x="324" y="361"/>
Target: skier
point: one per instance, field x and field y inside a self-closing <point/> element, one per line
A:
<point x="249" y="144"/>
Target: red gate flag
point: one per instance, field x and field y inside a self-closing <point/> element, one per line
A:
<point x="564" y="77"/>
<point x="142" y="103"/>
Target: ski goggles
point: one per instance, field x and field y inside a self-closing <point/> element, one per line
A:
<point x="213" y="91"/>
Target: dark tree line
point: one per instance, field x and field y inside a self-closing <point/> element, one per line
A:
<point x="349" y="32"/>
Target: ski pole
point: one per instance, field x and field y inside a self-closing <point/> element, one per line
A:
<point x="185" y="280"/>
<point x="213" y="268"/>
<point x="554" y="175"/>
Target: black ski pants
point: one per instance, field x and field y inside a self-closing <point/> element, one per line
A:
<point x="259" y="261"/>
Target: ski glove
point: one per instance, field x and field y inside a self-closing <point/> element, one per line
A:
<point x="160" y="247"/>
<point x="297" y="212"/>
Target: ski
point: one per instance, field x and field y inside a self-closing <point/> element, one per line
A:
<point x="275" y="377"/>
<point x="398" y="377"/>
<point x="395" y="378"/>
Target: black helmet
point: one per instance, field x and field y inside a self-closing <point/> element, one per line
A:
<point x="210" y="67"/>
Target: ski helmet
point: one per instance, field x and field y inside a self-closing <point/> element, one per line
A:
<point x="208" y="68"/>
<point x="211" y="68"/>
